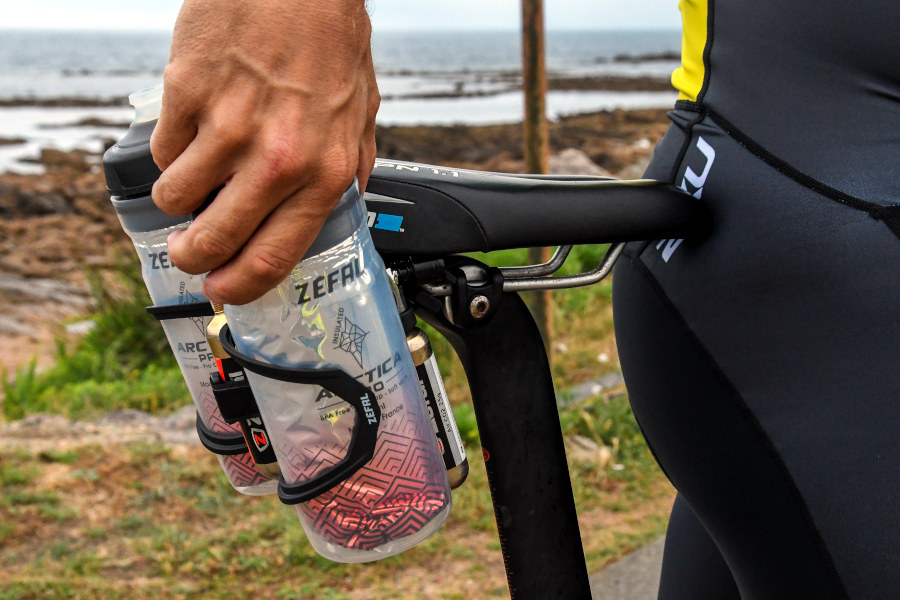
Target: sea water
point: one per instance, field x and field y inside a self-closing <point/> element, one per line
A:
<point x="425" y="78"/>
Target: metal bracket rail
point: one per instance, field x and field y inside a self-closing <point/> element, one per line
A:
<point x="537" y="277"/>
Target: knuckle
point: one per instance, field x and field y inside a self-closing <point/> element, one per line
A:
<point x="177" y="81"/>
<point x="229" y="130"/>
<point x="228" y="292"/>
<point x="161" y="151"/>
<point x="369" y="149"/>
<point x="271" y="264"/>
<point x="374" y="100"/>
<point x="170" y="193"/>
<point x="162" y="154"/>
<point x="209" y="248"/>
<point x="338" y="168"/>
<point x="283" y="161"/>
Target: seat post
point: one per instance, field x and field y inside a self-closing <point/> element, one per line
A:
<point x="515" y="407"/>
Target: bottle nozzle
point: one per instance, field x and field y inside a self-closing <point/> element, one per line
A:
<point x="147" y="103"/>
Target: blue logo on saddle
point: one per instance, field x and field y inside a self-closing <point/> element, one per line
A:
<point x="388" y="222"/>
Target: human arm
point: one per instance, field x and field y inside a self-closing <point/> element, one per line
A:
<point x="276" y="99"/>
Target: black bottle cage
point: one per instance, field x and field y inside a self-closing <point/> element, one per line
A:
<point x="181" y="311"/>
<point x="238" y="403"/>
<point x="217" y="443"/>
<point x="338" y="382"/>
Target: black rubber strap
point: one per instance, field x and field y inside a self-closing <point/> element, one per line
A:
<point x="218" y="443"/>
<point x="181" y="311"/>
<point x="235" y="399"/>
<point x="338" y="382"/>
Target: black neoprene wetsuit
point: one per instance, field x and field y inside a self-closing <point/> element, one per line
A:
<point x="763" y="363"/>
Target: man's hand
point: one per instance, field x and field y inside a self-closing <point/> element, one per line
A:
<point x="276" y="99"/>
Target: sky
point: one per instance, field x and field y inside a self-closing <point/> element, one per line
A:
<point x="387" y="15"/>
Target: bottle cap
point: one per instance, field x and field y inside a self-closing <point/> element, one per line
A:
<point x="131" y="172"/>
<point x="128" y="165"/>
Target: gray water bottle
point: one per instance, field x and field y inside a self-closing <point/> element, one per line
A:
<point x="335" y="316"/>
<point x="130" y="174"/>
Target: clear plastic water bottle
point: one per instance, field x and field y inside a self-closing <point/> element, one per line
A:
<point x="130" y="174"/>
<point x="336" y="309"/>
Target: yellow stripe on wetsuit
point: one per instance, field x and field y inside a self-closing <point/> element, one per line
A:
<point x="689" y="77"/>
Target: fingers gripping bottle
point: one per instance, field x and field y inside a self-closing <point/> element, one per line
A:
<point x="184" y="312"/>
<point x="336" y="313"/>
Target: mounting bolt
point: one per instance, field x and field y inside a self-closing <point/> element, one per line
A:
<point x="479" y="306"/>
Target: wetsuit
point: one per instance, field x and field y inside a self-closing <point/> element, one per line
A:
<point x="763" y="363"/>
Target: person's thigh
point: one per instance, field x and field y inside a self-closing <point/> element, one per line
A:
<point x="762" y="367"/>
<point x="693" y="567"/>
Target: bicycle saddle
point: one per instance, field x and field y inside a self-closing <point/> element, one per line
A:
<point x="418" y="209"/>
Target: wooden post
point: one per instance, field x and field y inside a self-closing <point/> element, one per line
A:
<point x="537" y="142"/>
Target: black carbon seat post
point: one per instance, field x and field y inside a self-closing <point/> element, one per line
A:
<point x="515" y="407"/>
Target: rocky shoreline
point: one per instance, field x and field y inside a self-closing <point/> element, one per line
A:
<point x="61" y="102"/>
<point x="507" y="81"/>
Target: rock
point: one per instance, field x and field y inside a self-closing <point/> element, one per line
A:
<point x="635" y="170"/>
<point x="582" y="449"/>
<point x="45" y="422"/>
<point x="14" y="201"/>
<point x="126" y="416"/>
<point x="43" y="432"/>
<point x="591" y="389"/>
<point x="572" y="161"/>
<point x="62" y="292"/>
<point x="75" y="159"/>
<point x="81" y="327"/>
<point x="14" y="327"/>
<point x="179" y="427"/>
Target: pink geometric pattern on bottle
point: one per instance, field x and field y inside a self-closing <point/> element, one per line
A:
<point x="399" y="491"/>
<point x="241" y="471"/>
<point x="306" y="463"/>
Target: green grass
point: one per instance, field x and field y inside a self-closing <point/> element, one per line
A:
<point x="184" y="533"/>
<point x="123" y="362"/>
<point x="608" y="421"/>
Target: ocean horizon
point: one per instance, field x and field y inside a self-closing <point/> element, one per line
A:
<point x="67" y="89"/>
